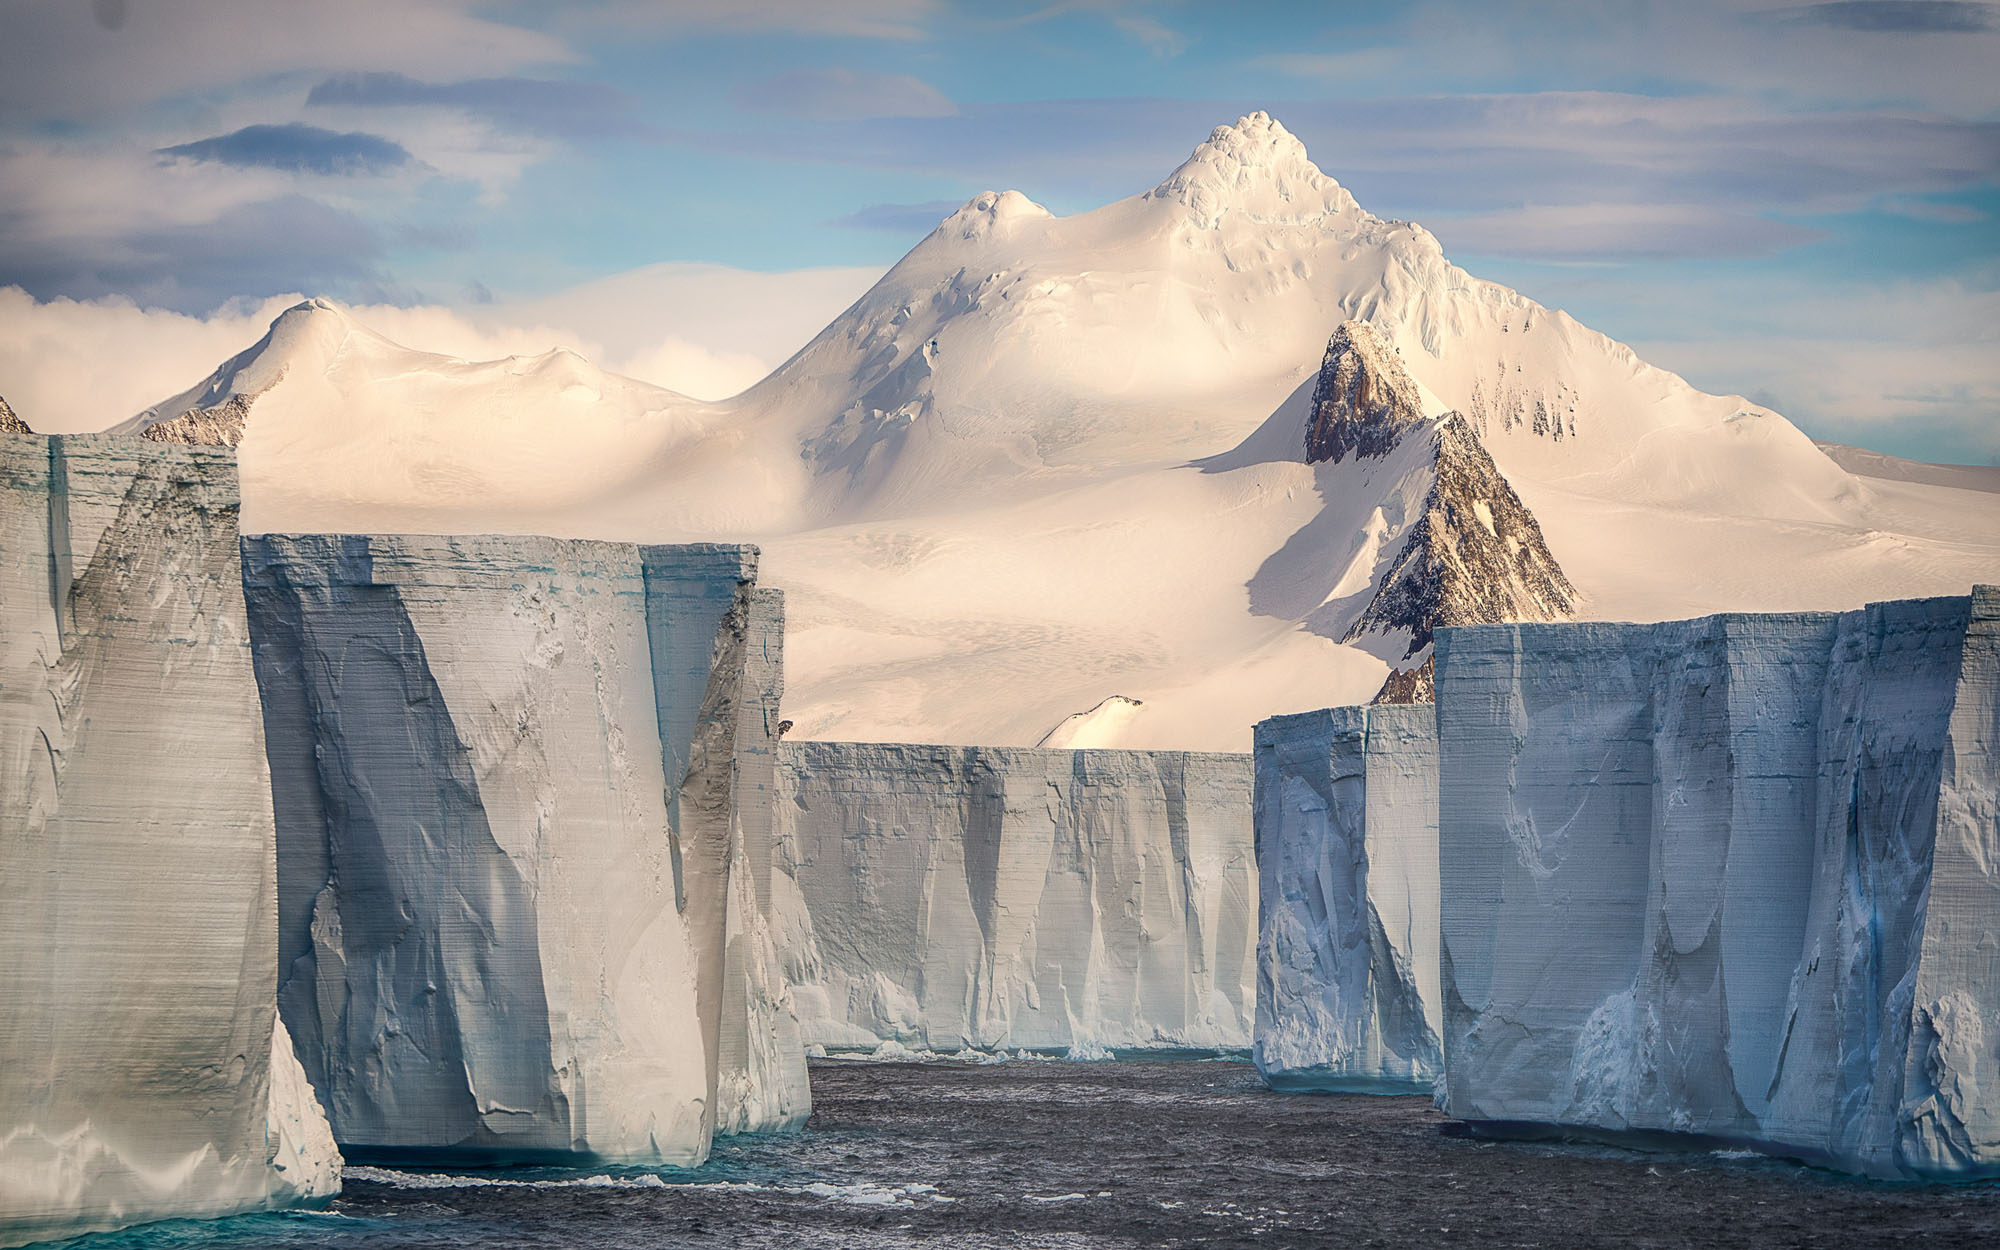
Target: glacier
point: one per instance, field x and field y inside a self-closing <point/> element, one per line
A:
<point x="147" y="1075"/>
<point x="987" y="897"/>
<point x="1347" y="900"/>
<point x="1735" y="877"/>
<point x="516" y="908"/>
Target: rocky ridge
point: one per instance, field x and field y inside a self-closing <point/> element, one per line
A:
<point x="1475" y="555"/>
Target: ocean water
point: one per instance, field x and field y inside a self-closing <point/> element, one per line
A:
<point x="1039" y="1153"/>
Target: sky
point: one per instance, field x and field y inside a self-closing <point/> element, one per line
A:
<point x="1795" y="202"/>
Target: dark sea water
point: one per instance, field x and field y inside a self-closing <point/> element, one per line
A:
<point x="1040" y="1153"/>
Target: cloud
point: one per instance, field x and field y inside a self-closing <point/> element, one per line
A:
<point x="1899" y="17"/>
<point x="1618" y="232"/>
<point x="297" y="148"/>
<point x="62" y="59"/>
<point x="839" y="94"/>
<point x="857" y="19"/>
<point x="902" y="218"/>
<point x="574" y="110"/>
<point x="1154" y="36"/>
<point x="704" y="330"/>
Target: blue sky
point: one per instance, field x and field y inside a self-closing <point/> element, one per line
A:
<point x="1793" y="201"/>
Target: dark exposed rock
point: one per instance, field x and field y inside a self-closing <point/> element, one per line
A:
<point x="1410" y="685"/>
<point x="1364" y="402"/>
<point x="11" y="424"/>
<point x="220" y="426"/>
<point x="1476" y="555"/>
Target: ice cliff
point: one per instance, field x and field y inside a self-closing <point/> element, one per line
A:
<point x="1347" y="881"/>
<point x="988" y="897"/>
<point x="146" y="1074"/>
<point x="519" y="914"/>
<point x="1735" y="877"/>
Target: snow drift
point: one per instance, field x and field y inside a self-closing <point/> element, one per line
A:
<point x="144" y="1074"/>
<point x="1733" y="877"/>
<point x="982" y="897"/>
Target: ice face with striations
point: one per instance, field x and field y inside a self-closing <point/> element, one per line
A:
<point x="989" y="897"/>
<point x="146" y="1075"/>
<point x="1347" y="883"/>
<point x="508" y="819"/>
<point x="1736" y="877"/>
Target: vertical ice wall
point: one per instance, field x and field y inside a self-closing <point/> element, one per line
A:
<point x="1347" y="882"/>
<point x="1732" y="877"/>
<point x="143" y="1074"/>
<point x="989" y="897"/>
<point x="761" y="1080"/>
<point x="506" y="774"/>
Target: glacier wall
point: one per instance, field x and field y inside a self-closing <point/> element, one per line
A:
<point x="1003" y="897"/>
<point x="1734" y="877"/>
<point x="507" y="807"/>
<point x="1347" y="900"/>
<point x="145" y="1073"/>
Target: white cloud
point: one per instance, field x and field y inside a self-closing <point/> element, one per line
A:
<point x="703" y="330"/>
<point x="57" y="60"/>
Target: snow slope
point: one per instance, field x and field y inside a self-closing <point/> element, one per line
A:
<point x="1047" y="460"/>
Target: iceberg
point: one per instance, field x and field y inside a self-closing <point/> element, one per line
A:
<point x="147" y="1076"/>
<point x="1736" y="877"/>
<point x="1347" y="888"/>
<point x="509" y="817"/>
<point x="980" y="897"/>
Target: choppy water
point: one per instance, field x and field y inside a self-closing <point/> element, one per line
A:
<point x="1127" y="1154"/>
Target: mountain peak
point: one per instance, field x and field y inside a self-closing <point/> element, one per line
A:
<point x="1364" y="398"/>
<point x="990" y="213"/>
<point x="1255" y="168"/>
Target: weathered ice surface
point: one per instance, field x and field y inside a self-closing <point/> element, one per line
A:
<point x="989" y="897"/>
<point x="1734" y="877"/>
<point x="143" y="1074"/>
<point x="761" y="1082"/>
<point x="506" y="795"/>
<point x="1347" y="884"/>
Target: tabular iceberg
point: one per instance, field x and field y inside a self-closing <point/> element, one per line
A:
<point x="1016" y="897"/>
<point x="146" y="1075"/>
<point x="1347" y="884"/>
<point x="508" y="816"/>
<point x="1736" y="877"/>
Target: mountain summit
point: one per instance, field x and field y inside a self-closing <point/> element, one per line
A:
<point x="1228" y="447"/>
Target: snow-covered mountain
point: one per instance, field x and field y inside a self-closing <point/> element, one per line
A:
<point x="1048" y="460"/>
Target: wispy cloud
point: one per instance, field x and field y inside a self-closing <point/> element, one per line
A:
<point x="1899" y="17"/>
<point x="901" y="218"/>
<point x="898" y="20"/>
<point x="839" y="94"/>
<point x="1618" y="232"/>
<point x="573" y="110"/>
<point x="297" y="148"/>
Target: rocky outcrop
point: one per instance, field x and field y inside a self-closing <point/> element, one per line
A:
<point x="1364" y="401"/>
<point x="1734" y="877"/>
<point x="511" y="837"/>
<point x="145" y="1073"/>
<point x="989" y="897"/>
<point x="1347" y="889"/>
<point x="218" y="426"/>
<point x="11" y="424"/>
<point x="1475" y="556"/>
